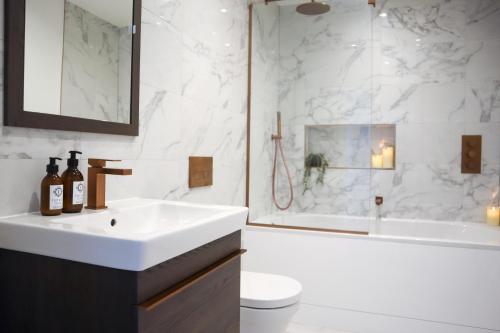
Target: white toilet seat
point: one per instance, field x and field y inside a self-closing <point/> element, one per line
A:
<point x="268" y="291"/>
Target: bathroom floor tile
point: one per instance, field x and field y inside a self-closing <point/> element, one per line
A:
<point x="299" y="328"/>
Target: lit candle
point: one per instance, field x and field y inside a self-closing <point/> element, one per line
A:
<point x="388" y="160"/>
<point x="377" y="161"/>
<point x="493" y="215"/>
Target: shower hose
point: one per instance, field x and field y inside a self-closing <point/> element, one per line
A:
<point x="278" y="149"/>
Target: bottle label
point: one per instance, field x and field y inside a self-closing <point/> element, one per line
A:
<point x="77" y="193"/>
<point x="56" y="197"/>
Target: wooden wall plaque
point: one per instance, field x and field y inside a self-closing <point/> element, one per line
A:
<point x="200" y="171"/>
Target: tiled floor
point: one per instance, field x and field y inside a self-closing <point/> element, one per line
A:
<point x="298" y="328"/>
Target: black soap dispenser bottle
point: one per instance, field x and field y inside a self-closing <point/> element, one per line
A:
<point x="51" y="195"/>
<point x="73" y="185"/>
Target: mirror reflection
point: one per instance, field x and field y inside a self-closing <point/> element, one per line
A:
<point x="78" y="56"/>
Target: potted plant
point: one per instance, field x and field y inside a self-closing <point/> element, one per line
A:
<point x="319" y="162"/>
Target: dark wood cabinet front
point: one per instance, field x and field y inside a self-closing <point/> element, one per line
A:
<point x="195" y="292"/>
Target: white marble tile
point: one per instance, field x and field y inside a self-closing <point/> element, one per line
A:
<point x="161" y="50"/>
<point x="483" y="101"/>
<point x="490" y="140"/>
<point x="90" y="67"/>
<point x="427" y="66"/>
<point x="170" y="11"/>
<point x="424" y="191"/>
<point x="159" y="123"/>
<point x="159" y="155"/>
<point x="265" y="90"/>
<point x="480" y="191"/>
<point x="329" y="105"/>
<point x="483" y="63"/>
<point x="428" y="143"/>
<point x="422" y="21"/>
<point x="424" y="102"/>
<point x="483" y="19"/>
<point x="444" y="61"/>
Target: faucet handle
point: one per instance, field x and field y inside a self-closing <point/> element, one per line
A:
<point x="99" y="162"/>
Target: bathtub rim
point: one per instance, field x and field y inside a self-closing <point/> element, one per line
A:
<point x="371" y="237"/>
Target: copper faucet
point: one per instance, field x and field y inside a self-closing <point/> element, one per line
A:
<point x="379" y="201"/>
<point x="96" y="193"/>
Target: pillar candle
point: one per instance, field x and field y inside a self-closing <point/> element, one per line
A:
<point x="377" y="161"/>
<point x="388" y="160"/>
<point x="493" y="215"/>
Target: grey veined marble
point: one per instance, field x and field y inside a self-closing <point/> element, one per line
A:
<point x="96" y="73"/>
<point x="431" y="68"/>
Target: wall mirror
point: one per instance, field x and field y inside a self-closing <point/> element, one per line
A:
<point x="73" y="65"/>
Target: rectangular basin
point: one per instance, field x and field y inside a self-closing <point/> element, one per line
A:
<point x="132" y="234"/>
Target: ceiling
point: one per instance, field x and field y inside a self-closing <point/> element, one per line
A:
<point x="116" y="12"/>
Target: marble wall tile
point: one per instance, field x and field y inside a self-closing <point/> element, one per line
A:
<point x="425" y="191"/>
<point x="424" y="102"/>
<point x="325" y="78"/>
<point x="180" y="114"/>
<point x="483" y="101"/>
<point x="441" y="143"/>
<point x="428" y="66"/>
<point x="344" y="192"/>
<point x="482" y="19"/>
<point x="490" y="133"/>
<point x="483" y="63"/>
<point x="427" y="21"/>
<point x="91" y="66"/>
<point x="164" y="58"/>
<point x="480" y="191"/>
<point x="265" y="80"/>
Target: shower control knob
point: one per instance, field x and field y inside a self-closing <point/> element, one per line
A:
<point x="471" y="154"/>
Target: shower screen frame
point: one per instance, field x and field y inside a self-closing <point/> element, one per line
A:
<point x="248" y="145"/>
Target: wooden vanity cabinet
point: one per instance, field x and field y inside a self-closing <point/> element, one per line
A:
<point x="198" y="291"/>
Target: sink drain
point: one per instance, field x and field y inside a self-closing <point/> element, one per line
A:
<point x="113" y="222"/>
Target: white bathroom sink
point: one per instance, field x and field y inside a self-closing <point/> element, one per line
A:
<point x="132" y="234"/>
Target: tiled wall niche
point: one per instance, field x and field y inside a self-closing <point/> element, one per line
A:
<point x="353" y="146"/>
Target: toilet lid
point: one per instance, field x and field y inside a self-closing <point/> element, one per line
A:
<point x="268" y="291"/>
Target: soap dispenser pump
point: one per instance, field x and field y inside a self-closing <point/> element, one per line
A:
<point x="73" y="185"/>
<point x="52" y="188"/>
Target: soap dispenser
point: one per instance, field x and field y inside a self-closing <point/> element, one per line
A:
<point x="51" y="195"/>
<point x="73" y="185"/>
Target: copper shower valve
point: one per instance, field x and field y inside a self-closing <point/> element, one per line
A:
<point x="471" y="154"/>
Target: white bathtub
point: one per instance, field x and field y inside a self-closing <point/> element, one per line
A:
<point x="464" y="234"/>
<point x="403" y="277"/>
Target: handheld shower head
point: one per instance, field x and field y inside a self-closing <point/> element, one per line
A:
<point x="313" y="8"/>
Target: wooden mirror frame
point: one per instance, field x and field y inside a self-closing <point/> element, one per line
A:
<point x="14" y="114"/>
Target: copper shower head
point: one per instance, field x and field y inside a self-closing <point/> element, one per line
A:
<point x="313" y="8"/>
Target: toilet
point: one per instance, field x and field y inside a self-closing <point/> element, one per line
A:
<point x="268" y="302"/>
